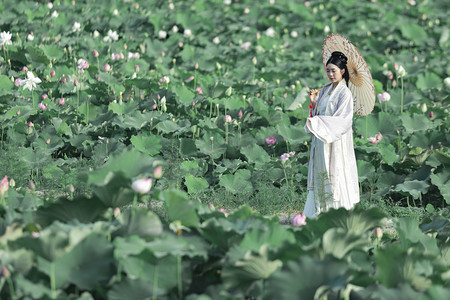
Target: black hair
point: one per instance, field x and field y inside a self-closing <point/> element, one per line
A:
<point x="340" y="60"/>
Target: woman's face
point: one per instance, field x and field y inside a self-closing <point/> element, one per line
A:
<point x="334" y="73"/>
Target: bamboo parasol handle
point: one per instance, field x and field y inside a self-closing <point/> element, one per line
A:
<point x="313" y="93"/>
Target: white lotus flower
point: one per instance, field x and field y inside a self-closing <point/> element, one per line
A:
<point x="216" y="40"/>
<point x="401" y="72"/>
<point x="5" y="38"/>
<point x="447" y="81"/>
<point x="31" y="81"/>
<point x="294" y="34"/>
<point x="55" y="14"/>
<point x="227" y="2"/>
<point x="96" y="34"/>
<point x="162" y="34"/>
<point x="30" y="37"/>
<point x="115" y="12"/>
<point x="76" y="27"/>
<point x="175" y="28"/>
<point x="187" y="33"/>
<point x="49" y="5"/>
<point x="111" y="36"/>
<point x="142" y="186"/>
<point x="270" y="32"/>
<point x="326" y="29"/>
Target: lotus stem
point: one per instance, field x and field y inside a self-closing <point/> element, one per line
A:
<point x="180" y="283"/>
<point x="155" y="282"/>
<point x="53" y="280"/>
<point x="401" y="104"/>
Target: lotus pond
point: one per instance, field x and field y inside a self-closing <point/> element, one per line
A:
<point x="202" y="99"/>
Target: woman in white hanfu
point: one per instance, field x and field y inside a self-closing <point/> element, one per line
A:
<point x="332" y="173"/>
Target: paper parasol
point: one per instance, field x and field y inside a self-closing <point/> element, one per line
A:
<point x="360" y="83"/>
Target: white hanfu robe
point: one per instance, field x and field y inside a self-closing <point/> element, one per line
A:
<point x="332" y="172"/>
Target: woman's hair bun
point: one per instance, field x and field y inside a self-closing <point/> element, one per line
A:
<point x="340" y="55"/>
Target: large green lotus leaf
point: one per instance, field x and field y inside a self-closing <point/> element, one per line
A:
<point x="339" y="242"/>
<point x="235" y="102"/>
<point x="395" y="266"/>
<point x="425" y="139"/>
<point x="136" y="120"/>
<point x="256" y="154"/>
<point x="260" y="107"/>
<point x="238" y="182"/>
<point x="140" y="222"/>
<point x="116" y="192"/>
<point x="187" y="147"/>
<point x="416" y="122"/>
<point x="381" y="122"/>
<point x="273" y="234"/>
<point x="61" y="127"/>
<point x="128" y="245"/>
<point x="185" y="96"/>
<point x="356" y="221"/>
<point x="147" y="143"/>
<point x="34" y="157"/>
<point x="130" y="163"/>
<point x="439" y="224"/>
<point x="252" y="267"/>
<point x="194" y="184"/>
<point x="221" y="233"/>
<point x="317" y="278"/>
<point x="411" y="235"/>
<point x="299" y="100"/>
<point x="441" y="180"/>
<point x="5" y="83"/>
<point x="413" y="187"/>
<point x="180" y="208"/>
<point x="21" y="260"/>
<point x="36" y="56"/>
<point x="129" y="67"/>
<point x="32" y="289"/>
<point x="365" y="170"/>
<point x="379" y="291"/>
<point x="146" y="267"/>
<point x="88" y="265"/>
<point x="50" y="245"/>
<point x="428" y="81"/>
<point x="133" y="289"/>
<point x="167" y="126"/>
<point x="84" y="210"/>
<point x="123" y="108"/>
<point x="435" y="292"/>
<point x="388" y="154"/>
<point x="53" y="51"/>
<point x="414" y="32"/>
<point x="212" y="145"/>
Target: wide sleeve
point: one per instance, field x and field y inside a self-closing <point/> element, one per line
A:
<point x="329" y="129"/>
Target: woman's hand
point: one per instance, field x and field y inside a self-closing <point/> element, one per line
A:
<point x="313" y="96"/>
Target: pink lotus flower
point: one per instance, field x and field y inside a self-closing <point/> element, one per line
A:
<point x="61" y="101"/>
<point x="298" y="220"/>
<point x="44" y="96"/>
<point x="75" y="82"/>
<point x="4" y="185"/>
<point x="227" y="119"/>
<point x="47" y="141"/>
<point x="24" y="69"/>
<point x="284" y="157"/>
<point x="142" y="186"/>
<point x="53" y="73"/>
<point x="199" y="90"/>
<point x="384" y="97"/>
<point x="271" y="140"/>
<point x="42" y="106"/>
<point x="95" y="53"/>
<point x="82" y="65"/>
<point x="431" y="114"/>
<point x="64" y="80"/>
<point x="18" y="82"/>
<point x="246" y="45"/>
<point x="222" y="210"/>
<point x="107" y="67"/>
<point x="375" y="139"/>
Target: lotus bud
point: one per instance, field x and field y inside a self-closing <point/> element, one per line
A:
<point x="240" y="114"/>
<point x="136" y="68"/>
<point x="227" y="119"/>
<point x="75" y="82"/>
<point x="5" y="272"/>
<point x="95" y="52"/>
<point x="157" y="172"/>
<point x="431" y="114"/>
<point x="18" y="82"/>
<point x="24" y="69"/>
<point x="254" y="60"/>
<point x="424" y="108"/>
<point x="211" y="206"/>
<point x="222" y="210"/>
<point x="447" y="81"/>
<point x="401" y="72"/>
<point x="32" y="185"/>
<point x="196" y="65"/>
<point x="142" y="186"/>
<point x="44" y="96"/>
<point x="394" y="83"/>
<point x="61" y="101"/>
<point x="64" y="80"/>
<point x="71" y="188"/>
<point x="4" y="185"/>
<point x="378" y="232"/>
<point x="116" y="212"/>
<point x="229" y="90"/>
<point x="47" y="141"/>
<point x="107" y="67"/>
